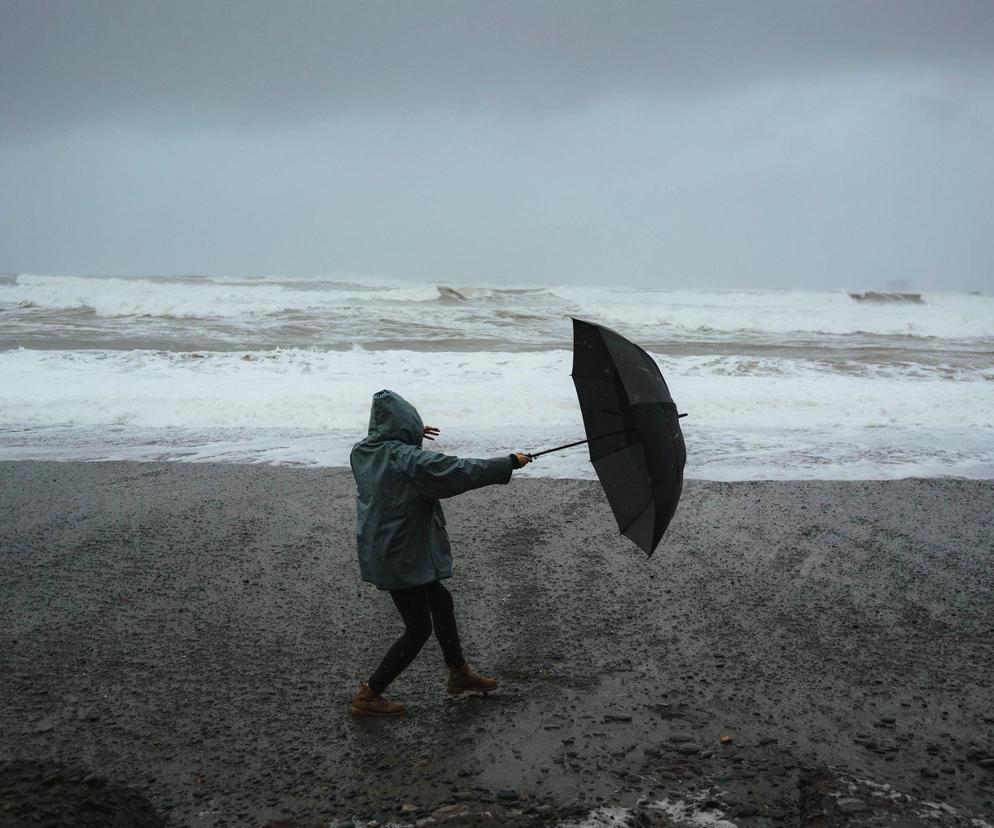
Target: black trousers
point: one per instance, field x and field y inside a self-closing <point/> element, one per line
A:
<point x="421" y="608"/>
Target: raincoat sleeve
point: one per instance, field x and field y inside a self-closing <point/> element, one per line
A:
<point x="437" y="475"/>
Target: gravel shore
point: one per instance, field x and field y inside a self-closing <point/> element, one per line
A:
<point x="814" y="653"/>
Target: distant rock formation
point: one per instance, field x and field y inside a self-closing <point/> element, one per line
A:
<point x="450" y="294"/>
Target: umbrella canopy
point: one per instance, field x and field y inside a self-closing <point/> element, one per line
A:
<point x="633" y="430"/>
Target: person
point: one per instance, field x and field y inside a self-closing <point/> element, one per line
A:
<point x="402" y="541"/>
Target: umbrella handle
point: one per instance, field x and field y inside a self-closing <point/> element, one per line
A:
<point x="577" y="443"/>
<point x="533" y="455"/>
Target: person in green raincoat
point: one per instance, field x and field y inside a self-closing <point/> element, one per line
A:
<point x="402" y="542"/>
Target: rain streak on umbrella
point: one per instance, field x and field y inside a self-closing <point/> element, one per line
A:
<point x="633" y="431"/>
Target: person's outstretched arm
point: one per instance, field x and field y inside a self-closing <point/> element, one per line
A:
<point x="436" y="475"/>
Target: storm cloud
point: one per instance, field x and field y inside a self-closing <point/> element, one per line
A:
<point x="757" y="144"/>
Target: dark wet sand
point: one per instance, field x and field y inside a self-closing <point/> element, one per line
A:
<point x="196" y="632"/>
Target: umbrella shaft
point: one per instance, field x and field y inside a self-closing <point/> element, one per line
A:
<point x="578" y="443"/>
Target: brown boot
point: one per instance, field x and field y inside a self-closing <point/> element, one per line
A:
<point x="464" y="680"/>
<point x="368" y="703"/>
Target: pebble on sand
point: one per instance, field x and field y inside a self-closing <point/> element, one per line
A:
<point x="447" y="811"/>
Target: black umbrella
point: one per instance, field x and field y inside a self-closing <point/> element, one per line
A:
<point x="633" y="431"/>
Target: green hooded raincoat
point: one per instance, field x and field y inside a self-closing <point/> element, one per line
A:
<point x="400" y="529"/>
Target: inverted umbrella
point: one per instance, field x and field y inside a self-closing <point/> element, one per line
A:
<point x="633" y="431"/>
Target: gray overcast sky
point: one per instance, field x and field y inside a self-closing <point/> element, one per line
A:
<point x="794" y="144"/>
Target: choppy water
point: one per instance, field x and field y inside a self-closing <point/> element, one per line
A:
<point x="777" y="384"/>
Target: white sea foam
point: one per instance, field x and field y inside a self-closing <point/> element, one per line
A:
<point x="747" y="418"/>
<point x="690" y="813"/>
<point x="955" y="316"/>
<point x="324" y="389"/>
<point x="606" y="817"/>
<point x="687" y="812"/>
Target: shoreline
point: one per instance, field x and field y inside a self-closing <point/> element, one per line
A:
<point x="195" y="631"/>
<point x="577" y="469"/>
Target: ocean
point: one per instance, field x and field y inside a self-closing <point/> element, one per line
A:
<point x="775" y="384"/>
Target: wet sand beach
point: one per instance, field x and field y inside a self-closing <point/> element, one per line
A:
<point x="814" y="653"/>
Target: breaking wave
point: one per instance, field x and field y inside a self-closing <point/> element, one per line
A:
<point x="468" y="310"/>
<point x="778" y="384"/>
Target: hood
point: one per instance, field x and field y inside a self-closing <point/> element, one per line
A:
<point x="394" y="418"/>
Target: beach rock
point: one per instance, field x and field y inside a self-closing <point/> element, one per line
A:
<point x="507" y="795"/>
<point x="852" y="806"/>
<point x="44" y="725"/>
<point x="748" y="809"/>
<point x="447" y="811"/>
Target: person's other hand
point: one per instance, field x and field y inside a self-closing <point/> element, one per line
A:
<point x="430" y="432"/>
<point x="523" y="459"/>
